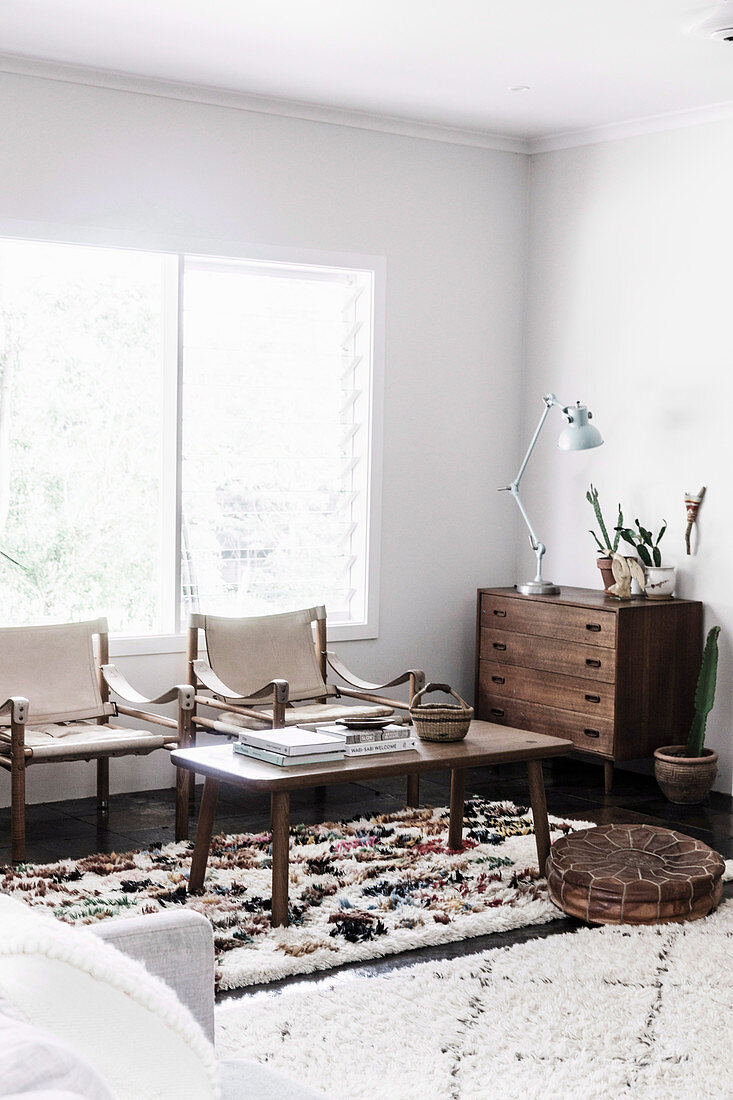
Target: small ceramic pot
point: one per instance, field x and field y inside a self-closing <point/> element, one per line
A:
<point x="685" y="780"/>
<point x="660" y="581"/>
<point x="604" y="564"/>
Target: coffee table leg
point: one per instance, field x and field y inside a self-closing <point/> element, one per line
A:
<point x="280" y="818"/>
<point x="204" y="830"/>
<point x="539" y="811"/>
<point x="457" y="793"/>
<point x="413" y="790"/>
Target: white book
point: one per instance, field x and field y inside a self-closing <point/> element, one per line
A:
<point x="380" y="748"/>
<point x="285" y="761"/>
<point x="293" y="741"/>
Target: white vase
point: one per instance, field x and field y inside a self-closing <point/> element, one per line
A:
<point x="660" y="581"/>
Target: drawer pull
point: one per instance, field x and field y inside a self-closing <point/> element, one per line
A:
<point x="594" y="627"/>
<point x="498" y="680"/>
<point x="500" y="645"/>
<point x="497" y="712"/>
<point x="500" y="614"/>
<point x="592" y="733"/>
<point x="592" y="662"/>
<point x="593" y="698"/>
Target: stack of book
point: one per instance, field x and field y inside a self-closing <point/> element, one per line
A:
<point x="290" y="747"/>
<point x="373" y="739"/>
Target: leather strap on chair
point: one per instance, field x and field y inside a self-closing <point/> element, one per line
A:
<point x="363" y="685"/>
<point x="122" y="687"/>
<point x="207" y="676"/>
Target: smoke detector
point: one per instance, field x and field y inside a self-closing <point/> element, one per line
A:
<point x="718" y="24"/>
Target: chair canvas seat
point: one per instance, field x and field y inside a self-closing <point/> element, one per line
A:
<point x="79" y="740"/>
<point x="309" y="712"/>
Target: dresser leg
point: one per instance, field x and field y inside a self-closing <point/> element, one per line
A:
<point x="608" y="776"/>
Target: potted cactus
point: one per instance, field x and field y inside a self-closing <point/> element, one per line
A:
<point x="687" y="772"/>
<point x="607" y="546"/>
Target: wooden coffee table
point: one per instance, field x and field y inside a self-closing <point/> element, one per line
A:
<point x="486" y="743"/>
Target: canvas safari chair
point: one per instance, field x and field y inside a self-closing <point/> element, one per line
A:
<point x="273" y="671"/>
<point x="57" y="708"/>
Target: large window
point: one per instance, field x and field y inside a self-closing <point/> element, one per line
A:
<point x="180" y="434"/>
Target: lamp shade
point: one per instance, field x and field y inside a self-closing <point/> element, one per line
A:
<point x="579" y="435"/>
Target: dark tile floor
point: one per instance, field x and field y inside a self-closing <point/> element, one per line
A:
<point x="72" y="829"/>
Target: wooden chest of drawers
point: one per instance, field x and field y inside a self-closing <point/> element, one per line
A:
<point x="616" y="677"/>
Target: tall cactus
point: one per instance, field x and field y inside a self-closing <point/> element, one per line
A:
<point x="704" y="693"/>
<point x="604" y="544"/>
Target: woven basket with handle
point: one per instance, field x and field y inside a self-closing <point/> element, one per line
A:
<point x="440" y="721"/>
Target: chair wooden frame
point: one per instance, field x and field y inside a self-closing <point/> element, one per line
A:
<point x="21" y="755"/>
<point x="277" y="692"/>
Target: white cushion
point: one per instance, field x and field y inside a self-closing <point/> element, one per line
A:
<point x="54" y="740"/>
<point x="308" y="712"/>
<point x="127" y="1024"/>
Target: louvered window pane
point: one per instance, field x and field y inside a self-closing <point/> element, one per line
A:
<point x="274" y="441"/>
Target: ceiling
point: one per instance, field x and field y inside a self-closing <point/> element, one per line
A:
<point x="587" y="64"/>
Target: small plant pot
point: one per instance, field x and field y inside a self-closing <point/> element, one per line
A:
<point x="660" y="581"/>
<point x="684" y="780"/>
<point x="604" y="564"/>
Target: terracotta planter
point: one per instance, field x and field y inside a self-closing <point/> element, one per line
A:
<point x="604" y="564"/>
<point x="684" y="780"/>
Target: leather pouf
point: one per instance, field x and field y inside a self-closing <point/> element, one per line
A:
<point x="633" y="874"/>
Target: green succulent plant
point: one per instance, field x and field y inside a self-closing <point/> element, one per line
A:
<point x="704" y="694"/>
<point x="643" y="542"/>
<point x="604" y="544"/>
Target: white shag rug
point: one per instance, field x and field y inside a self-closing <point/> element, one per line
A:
<point x="591" y="1015"/>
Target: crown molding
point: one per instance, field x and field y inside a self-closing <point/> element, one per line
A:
<point x="635" y="127"/>
<point x="258" y="104"/>
<point x="361" y="120"/>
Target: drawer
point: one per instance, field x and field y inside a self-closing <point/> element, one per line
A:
<point x="551" y="620"/>
<point x="537" y="686"/>
<point x="590" y="662"/>
<point x="587" y="732"/>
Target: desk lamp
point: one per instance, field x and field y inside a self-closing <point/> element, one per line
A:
<point x="579" y="435"/>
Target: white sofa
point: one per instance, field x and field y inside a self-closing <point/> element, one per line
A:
<point x="44" y="1061"/>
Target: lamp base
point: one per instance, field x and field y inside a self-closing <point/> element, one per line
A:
<point x="538" y="588"/>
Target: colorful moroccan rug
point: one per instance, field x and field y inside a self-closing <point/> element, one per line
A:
<point x="358" y="889"/>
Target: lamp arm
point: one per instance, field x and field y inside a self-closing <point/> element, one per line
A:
<point x="550" y="401"/>
<point x="539" y="548"/>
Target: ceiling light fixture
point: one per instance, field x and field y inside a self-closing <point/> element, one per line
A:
<point x="718" y="24"/>
<point x="519" y="88"/>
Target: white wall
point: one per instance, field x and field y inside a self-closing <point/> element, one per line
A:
<point x="451" y="222"/>
<point x="630" y="291"/>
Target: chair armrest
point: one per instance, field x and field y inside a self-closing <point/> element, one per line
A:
<point x="14" y="736"/>
<point x="176" y="947"/>
<point x="340" y="668"/>
<point x="207" y="676"/>
<point x="121" y="686"/>
<point x="18" y="707"/>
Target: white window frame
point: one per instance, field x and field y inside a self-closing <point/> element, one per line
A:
<point x="371" y="421"/>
